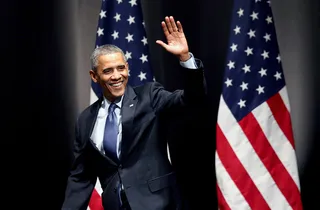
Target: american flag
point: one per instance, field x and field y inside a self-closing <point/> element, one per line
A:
<point x="255" y="163"/>
<point x="121" y="23"/>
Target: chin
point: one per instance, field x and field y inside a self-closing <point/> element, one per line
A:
<point x="118" y="93"/>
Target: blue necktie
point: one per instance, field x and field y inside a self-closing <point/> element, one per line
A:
<point x="111" y="133"/>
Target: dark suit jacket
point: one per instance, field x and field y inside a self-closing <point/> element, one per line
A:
<point x="144" y="169"/>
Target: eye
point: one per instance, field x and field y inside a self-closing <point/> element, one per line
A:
<point x="106" y="71"/>
<point x="121" y="67"/>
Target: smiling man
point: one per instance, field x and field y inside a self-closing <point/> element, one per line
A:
<point x="110" y="70"/>
<point x="118" y="138"/>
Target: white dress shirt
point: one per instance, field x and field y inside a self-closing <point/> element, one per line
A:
<point x="98" y="130"/>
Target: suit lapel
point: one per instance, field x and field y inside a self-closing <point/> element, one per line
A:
<point x="91" y="122"/>
<point x="127" y="112"/>
<point x="92" y="117"/>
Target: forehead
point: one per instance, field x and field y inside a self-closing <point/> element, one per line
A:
<point x="111" y="59"/>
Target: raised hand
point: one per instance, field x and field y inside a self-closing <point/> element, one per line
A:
<point x="176" y="40"/>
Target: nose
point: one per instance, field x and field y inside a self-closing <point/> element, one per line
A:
<point x="116" y="75"/>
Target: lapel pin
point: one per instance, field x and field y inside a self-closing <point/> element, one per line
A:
<point x="131" y="105"/>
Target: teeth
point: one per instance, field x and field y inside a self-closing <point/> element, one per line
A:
<point x="116" y="85"/>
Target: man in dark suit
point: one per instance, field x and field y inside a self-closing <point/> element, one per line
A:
<point x="119" y="138"/>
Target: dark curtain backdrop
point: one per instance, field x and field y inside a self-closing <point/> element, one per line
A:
<point x="39" y="91"/>
<point x="192" y="136"/>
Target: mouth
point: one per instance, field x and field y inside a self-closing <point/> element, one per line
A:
<point x="116" y="84"/>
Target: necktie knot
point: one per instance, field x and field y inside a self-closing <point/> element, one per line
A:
<point x="112" y="107"/>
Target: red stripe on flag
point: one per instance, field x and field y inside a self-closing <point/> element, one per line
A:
<point x="282" y="116"/>
<point x="267" y="155"/>
<point x="239" y="174"/>
<point x="95" y="201"/>
<point x="222" y="204"/>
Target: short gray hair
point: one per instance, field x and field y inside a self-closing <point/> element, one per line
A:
<point x="104" y="50"/>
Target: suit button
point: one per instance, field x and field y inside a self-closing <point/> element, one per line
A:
<point x="115" y="190"/>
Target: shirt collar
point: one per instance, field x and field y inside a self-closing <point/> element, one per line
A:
<point x="106" y="102"/>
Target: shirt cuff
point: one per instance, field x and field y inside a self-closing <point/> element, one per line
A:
<point x="190" y="63"/>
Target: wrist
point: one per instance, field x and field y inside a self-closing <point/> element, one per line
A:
<point x="184" y="57"/>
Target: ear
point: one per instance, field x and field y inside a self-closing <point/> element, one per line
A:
<point x="93" y="76"/>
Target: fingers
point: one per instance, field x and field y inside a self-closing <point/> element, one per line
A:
<point x="180" y="27"/>
<point x="170" y="25"/>
<point x="165" y="28"/>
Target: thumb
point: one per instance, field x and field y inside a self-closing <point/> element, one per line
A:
<point x="164" y="45"/>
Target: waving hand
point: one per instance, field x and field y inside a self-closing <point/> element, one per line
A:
<point x="176" y="40"/>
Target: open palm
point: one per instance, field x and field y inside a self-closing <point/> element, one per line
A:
<point x="176" y="40"/>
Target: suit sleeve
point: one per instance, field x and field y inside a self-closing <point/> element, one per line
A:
<point x="81" y="180"/>
<point x="193" y="93"/>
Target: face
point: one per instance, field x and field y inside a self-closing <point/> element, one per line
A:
<point x="112" y="75"/>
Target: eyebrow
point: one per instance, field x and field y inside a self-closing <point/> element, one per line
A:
<point x="122" y="65"/>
